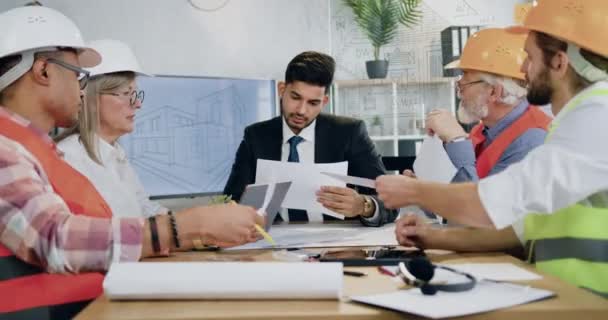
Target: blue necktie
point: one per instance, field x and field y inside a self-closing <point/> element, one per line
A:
<point x="295" y="214"/>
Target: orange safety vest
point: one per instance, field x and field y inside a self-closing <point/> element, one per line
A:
<point x="487" y="157"/>
<point x="27" y="291"/>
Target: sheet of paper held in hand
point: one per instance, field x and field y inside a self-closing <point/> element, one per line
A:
<point x="306" y="178"/>
<point x="433" y="163"/>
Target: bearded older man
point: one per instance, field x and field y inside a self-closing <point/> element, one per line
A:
<point x="492" y="95"/>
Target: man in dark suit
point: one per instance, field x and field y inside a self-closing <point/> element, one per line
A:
<point x="303" y="134"/>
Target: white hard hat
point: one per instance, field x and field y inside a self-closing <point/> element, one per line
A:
<point x="117" y="57"/>
<point x="31" y="29"/>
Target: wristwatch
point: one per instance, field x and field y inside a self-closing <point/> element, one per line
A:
<point x="368" y="206"/>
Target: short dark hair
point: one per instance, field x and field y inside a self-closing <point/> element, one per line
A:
<point x="550" y="46"/>
<point x="313" y="68"/>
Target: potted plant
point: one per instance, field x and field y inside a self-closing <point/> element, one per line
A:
<point x="379" y="20"/>
<point x="376" y="126"/>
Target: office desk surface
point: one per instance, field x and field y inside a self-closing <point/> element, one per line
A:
<point x="571" y="302"/>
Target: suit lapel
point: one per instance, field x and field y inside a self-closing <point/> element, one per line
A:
<point x="322" y="146"/>
<point x="275" y="136"/>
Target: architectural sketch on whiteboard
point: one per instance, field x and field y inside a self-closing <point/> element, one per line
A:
<point x="189" y="129"/>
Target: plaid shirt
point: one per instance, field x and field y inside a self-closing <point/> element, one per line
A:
<point x="37" y="225"/>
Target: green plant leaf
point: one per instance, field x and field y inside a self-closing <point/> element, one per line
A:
<point x="379" y="19"/>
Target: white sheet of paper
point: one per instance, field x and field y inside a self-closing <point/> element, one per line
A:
<point x="306" y="180"/>
<point x="433" y="163"/>
<point x="485" y="296"/>
<point x="223" y="280"/>
<point x="490" y="271"/>
<point x="326" y="235"/>
<point x="358" y="181"/>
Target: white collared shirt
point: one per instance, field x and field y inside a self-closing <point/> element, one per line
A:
<point x="115" y="180"/>
<point x="306" y="153"/>
<point x="306" y="148"/>
<point x="571" y="167"/>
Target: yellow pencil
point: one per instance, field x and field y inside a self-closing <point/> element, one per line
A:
<point x="261" y="231"/>
<point x="265" y="235"/>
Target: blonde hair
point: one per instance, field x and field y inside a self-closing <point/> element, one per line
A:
<point x="88" y="118"/>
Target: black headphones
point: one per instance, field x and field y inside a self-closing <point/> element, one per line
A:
<point x="418" y="272"/>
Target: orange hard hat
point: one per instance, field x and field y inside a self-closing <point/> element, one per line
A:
<point x="582" y="22"/>
<point x="493" y="50"/>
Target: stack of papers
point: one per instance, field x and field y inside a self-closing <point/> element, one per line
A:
<point x="325" y="235"/>
<point x="433" y="163"/>
<point x="223" y="280"/>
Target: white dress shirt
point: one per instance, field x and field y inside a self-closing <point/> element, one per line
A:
<point x="306" y="153"/>
<point x="115" y="180"/>
<point x="571" y="167"/>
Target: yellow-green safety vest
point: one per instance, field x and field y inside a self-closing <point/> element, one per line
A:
<point x="572" y="243"/>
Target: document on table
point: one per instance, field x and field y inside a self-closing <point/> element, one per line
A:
<point x="223" y="280"/>
<point x="433" y="163"/>
<point x="485" y="296"/>
<point x="306" y="178"/>
<point x="325" y="235"/>
<point x="489" y="271"/>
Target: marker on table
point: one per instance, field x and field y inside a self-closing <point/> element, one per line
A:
<point x="354" y="273"/>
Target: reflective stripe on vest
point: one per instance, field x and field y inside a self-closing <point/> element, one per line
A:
<point x="533" y="117"/>
<point x="571" y="243"/>
<point x="24" y="287"/>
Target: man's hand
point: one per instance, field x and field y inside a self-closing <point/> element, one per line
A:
<point x="396" y="191"/>
<point x="444" y="124"/>
<point x="414" y="231"/>
<point x="409" y="173"/>
<point x="342" y="200"/>
<point x="224" y="225"/>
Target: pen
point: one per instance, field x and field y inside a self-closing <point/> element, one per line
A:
<point x="265" y="235"/>
<point x="354" y="273"/>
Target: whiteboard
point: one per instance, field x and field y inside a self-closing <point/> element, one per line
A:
<point x="189" y="128"/>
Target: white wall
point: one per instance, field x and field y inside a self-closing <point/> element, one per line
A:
<point x="243" y="39"/>
<point x="414" y="54"/>
<point x="256" y="38"/>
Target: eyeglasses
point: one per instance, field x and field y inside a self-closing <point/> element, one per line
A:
<point x="81" y="74"/>
<point x="460" y="87"/>
<point x="133" y="96"/>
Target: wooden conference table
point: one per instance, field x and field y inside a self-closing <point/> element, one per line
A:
<point x="570" y="303"/>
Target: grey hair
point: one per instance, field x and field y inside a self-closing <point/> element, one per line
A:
<point x="512" y="94"/>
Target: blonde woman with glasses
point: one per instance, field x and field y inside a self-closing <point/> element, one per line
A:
<point x="91" y="147"/>
<point x="111" y="101"/>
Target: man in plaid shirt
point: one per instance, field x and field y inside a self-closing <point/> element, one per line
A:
<point x="52" y="220"/>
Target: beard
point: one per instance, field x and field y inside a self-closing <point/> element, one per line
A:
<point x="539" y="90"/>
<point x="474" y="112"/>
<point x="289" y="117"/>
<point x="303" y="121"/>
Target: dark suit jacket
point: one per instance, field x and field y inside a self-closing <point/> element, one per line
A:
<point x="336" y="139"/>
